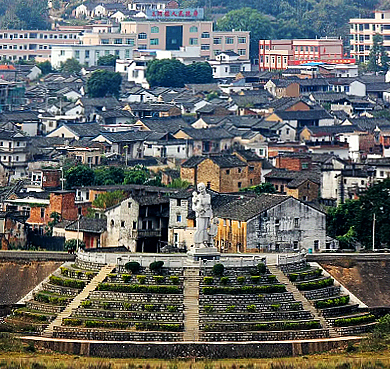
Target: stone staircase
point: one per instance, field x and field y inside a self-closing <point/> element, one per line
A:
<point x="75" y="303"/>
<point x="191" y="304"/>
<point x="298" y="296"/>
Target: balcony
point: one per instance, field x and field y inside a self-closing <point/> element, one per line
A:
<point x="140" y="233"/>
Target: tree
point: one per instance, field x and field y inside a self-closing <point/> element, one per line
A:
<point x="71" y="245"/>
<point x="261" y="188"/>
<point x="108" y="60"/>
<point x="103" y="82"/>
<point x="70" y="66"/>
<point x="45" y="67"/>
<point x="56" y="219"/>
<point x="138" y="175"/>
<point x="248" y="19"/>
<point x="108" y="199"/>
<point x="379" y="59"/>
<point x="166" y="73"/>
<point x="80" y="175"/>
<point x="179" y="183"/>
<point x="109" y="176"/>
<point x="199" y="73"/>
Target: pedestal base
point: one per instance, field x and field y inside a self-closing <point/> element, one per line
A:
<point x="203" y="253"/>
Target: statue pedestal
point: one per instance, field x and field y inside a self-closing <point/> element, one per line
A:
<point x="203" y="253"/>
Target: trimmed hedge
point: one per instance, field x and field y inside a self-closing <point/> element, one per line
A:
<point x="48" y="299"/>
<point x="174" y="279"/>
<point x="159" y="279"/>
<point x="302" y="276"/>
<point x="337" y="301"/>
<point x="158" y="327"/>
<point x="208" y="280"/>
<point x="241" y="279"/>
<point x="218" y="269"/>
<point x="224" y="280"/>
<point x="133" y="266"/>
<point x="315" y="285"/>
<point x="246" y="290"/>
<point x="269" y="326"/>
<point x="156" y="265"/>
<point x="71" y="283"/>
<point x="30" y="315"/>
<point x="136" y="288"/>
<point x="126" y="278"/>
<point x="172" y="308"/>
<point x="346" y="322"/>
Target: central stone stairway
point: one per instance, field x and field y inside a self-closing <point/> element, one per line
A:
<point x="298" y="296"/>
<point x="191" y="304"/>
<point x="75" y="303"/>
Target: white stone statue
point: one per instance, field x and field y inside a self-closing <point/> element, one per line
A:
<point x="206" y="229"/>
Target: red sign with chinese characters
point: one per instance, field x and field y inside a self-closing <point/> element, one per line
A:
<point x="327" y="61"/>
<point x="196" y="13"/>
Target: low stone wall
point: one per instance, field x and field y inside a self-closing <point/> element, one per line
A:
<point x="36" y="256"/>
<point x="264" y="336"/>
<point x="293" y="267"/>
<point x="339" y="310"/>
<point x="172" y="350"/>
<point x="322" y="293"/>
<point x="246" y="299"/>
<point x="44" y="308"/>
<point x="60" y="290"/>
<point x="88" y="265"/>
<point x="355" y="330"/>
<point x="138" y="297"/>
<point x="118" y="306"/>
<point x="114" y="335"/>
<point x="258" y="317"/>
<point x="259" y="307"/>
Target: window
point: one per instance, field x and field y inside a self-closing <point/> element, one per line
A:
<point x="118" y="41"/>
<point x="193" y="29"/>
<point x="205" y="47"/>
<point x="227" y="171"/>
<point x="154" y="29"/>
<point x="296" y="245"/>
<point x="77" y="54"/>
<point x="193" y="41"/>
<point x="234" y="69"/>
<point x="130" y="41"/>
<point x="142" y="47"/>
<point x="178" y="217"/>
<point x="178" y="202"/>
<point x="242" y="40"/>
<point x="127" y="55"/>
<point x="86" y="54"/>
<point x="382" y="173"/>
<point x="305" y="165"/>
<point x="154" y="41"/>
<point x="142" y="36"/>
<point x="241" y="51"/>
<point x="134" y="225"/>
<point x="112" y="222"/>
<point x="122" y="223"/>
<point x="217" y="41"/>
<point x="42" y="212"/>
<point x="129" y="205"/>
<point x="316" y="245"/>
<point x="105" y="41"/>
<point x="229" y="40"/>
<point x="205" y="35"/>
<point x="239" y="184"/>
<point x="296" y="222"/>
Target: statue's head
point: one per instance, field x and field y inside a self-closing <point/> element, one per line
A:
<point x="201" y="187"/>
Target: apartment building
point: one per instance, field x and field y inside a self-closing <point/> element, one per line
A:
<point x="171" y="35"/>
<point x="279" y="54"/>
<point x="27" y="45"/>
<point x="362" y="31"/>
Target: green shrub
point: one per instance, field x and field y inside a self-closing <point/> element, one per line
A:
<point x="135" y="288"/>
<point x="147" y="326"/>
<point x="127" y="306"/>
<point x="141" y="278"/>
<point x="241" y="279"/>
<point x="111" y="275"/>
<point x="261" y="268"/>
<point x="42" y="297"/>
<point x="261" y="327"/>
<point x="158" y="279"/>
<point x="218" y="269"/>
<point x="383" y="325"/>
<point x="64" y="271"/>
<point x="245" y="290"/>
<point x="126" y="278"/>
<point x="79" y="273"/>
<point x="156" y="266"/>
<point x="174" y="279"/>
<point x="315" y="285"/>
<point x="230" y="308"/>
<point x="208" y="280"/>
<point x="133" y="266"/>
<point x="296" y="306"/>
<point x="106" y="305"/>
<point x="271" y="278"/>
<point x="275" y="307"/>
<point x="86" y="304"/>
<point x="32" y="316"/>
<point x="332" y="302"/>
<point x="346" y="322"/>
<point x="208" y="309"/>
<point x="305" y="275"/>
<point x="89" y="275"/>
<point x="72" y="322"/>
<point x="251" y="308"/>
<point x="224" y="280"/>
<point x="172" y="308"/>
<point x="293" y="277"/>
<point x="149" y="307"/>
<point x="255" y="279"/>
<point x="71" y="283"/>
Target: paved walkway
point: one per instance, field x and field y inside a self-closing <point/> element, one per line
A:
<point x="191" y="304"/>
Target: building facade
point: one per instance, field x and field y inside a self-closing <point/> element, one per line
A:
<point x="279" y="54"/>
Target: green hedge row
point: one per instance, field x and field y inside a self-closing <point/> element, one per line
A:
<point x="315" y="285"/>
<point x="302" y="276"/>
<point x="158" y="327"/>
<point x="33" y="316"/>
<point x="276" y="326"/>
<point x="337" y="301"/>
<point x="246" y="290"/>
<point x="47" y="299"/>
<point x="136" y="288"/>
<point x="346" y="322"/>
<point x="72" y="283"/>
<point x="74" y="322"/>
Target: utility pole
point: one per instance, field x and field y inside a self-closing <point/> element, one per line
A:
<point x="373" y="232"/>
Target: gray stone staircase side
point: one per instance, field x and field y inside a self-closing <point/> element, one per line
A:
<point x="298" y="296"/>
<point x="75" y="303"/>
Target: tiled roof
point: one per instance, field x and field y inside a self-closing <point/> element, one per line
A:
<point x="213" y="133"/>
<point x="304" y="115"/>
<point x="85" y="129"/>
<point x="88" y="225"/>
<point x="171" y="125"/>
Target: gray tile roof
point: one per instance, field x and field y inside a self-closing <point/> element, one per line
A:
<point x="88" y="225"/>
<point x="213" y="133"/>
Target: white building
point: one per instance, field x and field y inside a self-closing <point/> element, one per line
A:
<point x="88" y="54"/>
<point x="228" y="64"/>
